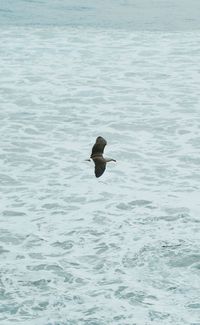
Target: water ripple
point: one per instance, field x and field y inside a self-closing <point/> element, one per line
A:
<point x="124" y="248"/>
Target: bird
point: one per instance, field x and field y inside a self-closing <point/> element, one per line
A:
<point x="97" y="156"/>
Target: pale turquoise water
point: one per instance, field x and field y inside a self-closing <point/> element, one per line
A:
<point x="122" y="249"/>
<point x="159" y="15"/>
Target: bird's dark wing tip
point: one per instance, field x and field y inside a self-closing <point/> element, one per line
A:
<point x="101" y="140"/>
<point x="99" y="145"/>
<point x="99" y="169"/>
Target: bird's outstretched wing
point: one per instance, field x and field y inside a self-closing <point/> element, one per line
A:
<point x="99" y="168"/>
<point x="99" y="146"/>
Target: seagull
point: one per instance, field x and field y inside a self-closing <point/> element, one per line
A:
<point x="97" y="156"/>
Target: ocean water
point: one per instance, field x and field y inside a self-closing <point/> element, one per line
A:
<point x="123" y="249"/>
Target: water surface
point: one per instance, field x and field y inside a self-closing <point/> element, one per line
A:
<point x="122" y="249"/>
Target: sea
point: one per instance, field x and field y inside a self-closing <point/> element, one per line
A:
<point x="122" y="249"/>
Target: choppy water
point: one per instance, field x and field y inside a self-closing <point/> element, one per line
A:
<point x="122" y="249"/>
